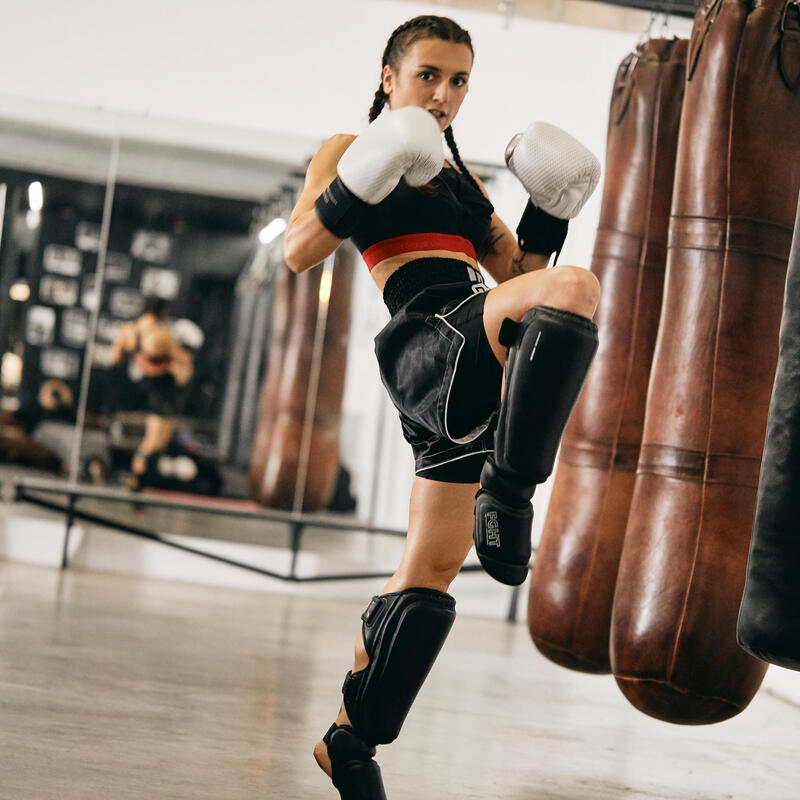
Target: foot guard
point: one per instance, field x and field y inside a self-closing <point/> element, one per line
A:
<point x="355" y="774"/>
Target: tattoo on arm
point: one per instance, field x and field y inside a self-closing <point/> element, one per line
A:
<point x="517" y="267"/>
<point x="492" y="240"/>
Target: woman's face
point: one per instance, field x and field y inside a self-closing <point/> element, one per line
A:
<point x="433" y="75"/>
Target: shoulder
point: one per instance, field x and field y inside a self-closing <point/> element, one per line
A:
<point x="480" y="185"/>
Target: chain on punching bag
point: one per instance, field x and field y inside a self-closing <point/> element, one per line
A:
<point x="572" y="586"/>
<point x="296" y="457"/>
<point x="673" y="634"/>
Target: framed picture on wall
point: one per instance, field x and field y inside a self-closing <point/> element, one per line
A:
<point x="40" y="325"/>
<point x="101" y="355"/>
<point x="62" y="260"/>
<point x="152" y="246"/>
<point x="118" y="267"/>
<point x="74" y="327"/>
<point x="89" y="292"/>
<point x="108" y="328"/>
<point x="58" y="362"/>
<point x="126" y="303"/>
<point x="87" y="237"/>
<point x="58" y="291"/>
<point x="163" y="283"/>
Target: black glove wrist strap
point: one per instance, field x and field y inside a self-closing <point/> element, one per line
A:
<point x="540" y="232"/>
<point x="339" y="210"/>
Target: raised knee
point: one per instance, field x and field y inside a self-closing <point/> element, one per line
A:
<point x="573" y="289"/>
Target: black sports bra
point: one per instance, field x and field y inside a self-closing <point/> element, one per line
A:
<point x="449" y="213"/>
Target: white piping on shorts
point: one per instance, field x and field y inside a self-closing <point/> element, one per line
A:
<point x="476" y="432"/>
<point x="456" y="458"/>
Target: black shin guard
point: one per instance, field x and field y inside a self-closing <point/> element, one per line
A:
<point x="354" y="773"/>
<point x="403" y="633"/>
<point x="549" y="353"/>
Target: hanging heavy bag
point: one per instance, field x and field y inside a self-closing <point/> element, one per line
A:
<point x="673" y="637"/>
<point x="769" y="617"/>
<point x="301" y="463"/>
<point x="572" y="586"/>
<point x="282" y="302"/>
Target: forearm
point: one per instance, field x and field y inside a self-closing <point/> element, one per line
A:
<point x="514" y="263"/>
<point x="117" y="352"/>
<point x="522" y="262"/>
<point x="307" y="242"/>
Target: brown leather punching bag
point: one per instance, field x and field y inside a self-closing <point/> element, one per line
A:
<point x="296" y="454"/>
<point x="282" y="303"/>
<point x="572" y="586"/>
<point x="673" y="634"/>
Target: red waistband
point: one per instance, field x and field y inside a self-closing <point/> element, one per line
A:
<point x="156" y="364"/>
<point x="417" y="241"/>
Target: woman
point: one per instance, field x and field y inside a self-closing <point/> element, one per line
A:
<point x="422" y="227"/>
<point x="165" y="368"/>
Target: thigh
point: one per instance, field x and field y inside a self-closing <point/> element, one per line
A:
<point x="440" y="524"/>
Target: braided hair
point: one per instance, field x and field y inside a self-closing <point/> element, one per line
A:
<point x="426" y="26"/>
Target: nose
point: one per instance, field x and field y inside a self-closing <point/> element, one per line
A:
<point x="441" y="92"/>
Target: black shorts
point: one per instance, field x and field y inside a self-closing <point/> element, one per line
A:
<point x="164" y="397"/>
<point x="439" y="369"/>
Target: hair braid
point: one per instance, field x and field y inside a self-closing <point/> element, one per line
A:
<point x="451" y="143"/>
<point x="377" y="103"/>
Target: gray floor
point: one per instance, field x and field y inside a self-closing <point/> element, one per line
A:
<point x="120" y="687"/>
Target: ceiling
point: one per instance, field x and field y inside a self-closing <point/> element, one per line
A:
<point x="621" y="15"/>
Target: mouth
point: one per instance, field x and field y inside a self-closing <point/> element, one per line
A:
<point x="438" y="115"/>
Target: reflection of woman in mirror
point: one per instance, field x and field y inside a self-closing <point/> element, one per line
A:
<point x="165" y="368"/>
<point x="423" y="226"/>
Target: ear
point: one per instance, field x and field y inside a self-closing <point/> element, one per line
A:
<point x="387" y="78"/>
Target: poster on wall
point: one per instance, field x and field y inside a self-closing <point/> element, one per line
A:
<point x="40" y="325"/>
<point x="118" y="267"/>
<point x="62" y="260"/>
<point x="89" y="292"/>
<point x="87" y="237"/>
<point x="58" y="291"/>
<point x="74" y="327"/>
<point x="57" y="362"/>
<point x="126" y="303"/>
<point x="163" y="283"/>
<point x="108" y="328"/>
<point x="151" y="246"/>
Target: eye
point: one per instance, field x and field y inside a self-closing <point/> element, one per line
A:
<point x="426" y="75"/>
<point x="459" y="81"/>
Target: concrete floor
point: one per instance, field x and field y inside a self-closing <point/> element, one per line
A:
<point x="120" y="687"/>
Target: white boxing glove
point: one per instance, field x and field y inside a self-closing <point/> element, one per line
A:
<point x="558" y="172"/>
<point x="188" y="334"/>
<point x="406" y="143"/>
